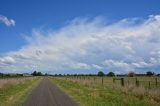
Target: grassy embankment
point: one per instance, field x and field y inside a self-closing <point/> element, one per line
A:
<point x="89" y="93"/>
<point x="14" y="91"/>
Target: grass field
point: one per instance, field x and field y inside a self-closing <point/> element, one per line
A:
<point x="14" y="91"/>
<point x="90" y="91"/>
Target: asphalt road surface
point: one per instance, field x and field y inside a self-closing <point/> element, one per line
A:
<point x="48" y="94"/>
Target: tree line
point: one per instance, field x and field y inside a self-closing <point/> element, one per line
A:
<point x="100" y="73"/>
<point x="111" y="74"/>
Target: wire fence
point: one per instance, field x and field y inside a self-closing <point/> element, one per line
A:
<point x="146" y="82"/>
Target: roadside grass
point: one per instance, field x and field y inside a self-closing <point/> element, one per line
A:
<point x="98" y="95"/>
<point x="15" y="95"/>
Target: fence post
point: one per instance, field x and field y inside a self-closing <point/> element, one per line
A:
<point x="122" y="81"/>
<point x="149" y="84"/>
<point x="102" y="80"/>
<point x="156" y="82"/>
<point x="137" y="83"/>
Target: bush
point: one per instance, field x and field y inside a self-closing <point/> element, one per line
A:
<point x="111" y="74"/>
<point x="149" y="73"/>
<point x="131" y="74"/>
<point x="100" y="73"/>
<point x="35" y="73"/>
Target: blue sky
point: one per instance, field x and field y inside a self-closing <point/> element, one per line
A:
<point x="30" y="14"/>
<point x="32" y="21"/>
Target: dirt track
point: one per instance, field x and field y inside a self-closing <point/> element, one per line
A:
<point x="47" y="94"/>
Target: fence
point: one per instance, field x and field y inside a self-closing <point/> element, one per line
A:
<point x="147" y="82"/>
<point x="138" y="82"/>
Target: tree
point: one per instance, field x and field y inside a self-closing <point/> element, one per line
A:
<point x="149" y="73"/>
<point x="59" y="74"/>
<point x="100" y="73"/>
<point x="111" y="74"/>
<point x="39" y="74"/>
<point x="1" y="74"/>
<point x="131" y="73"/>
<point x="34" y="73"/>
<point x="158" y="74"/>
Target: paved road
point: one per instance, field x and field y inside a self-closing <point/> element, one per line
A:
<point x="47" y="94"/>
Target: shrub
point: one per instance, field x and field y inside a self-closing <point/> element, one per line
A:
<point x="111" y="74"/>
<point x="100" y="73"/>
<point x="35" y="73"/>
<point x="131" y="74"/>
<point x="149" y="73"/>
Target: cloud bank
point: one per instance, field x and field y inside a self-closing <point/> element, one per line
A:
<point x="6" y="21"/>
<point x="88" y="45"/>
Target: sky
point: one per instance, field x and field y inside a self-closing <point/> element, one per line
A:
<point x="79" y="36"/>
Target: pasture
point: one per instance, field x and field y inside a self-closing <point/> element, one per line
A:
<point x="104" y="91"/>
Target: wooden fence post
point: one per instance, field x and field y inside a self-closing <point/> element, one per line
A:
<point x="102" y="80"/>
<point x="156" y="81"/>
<point x="122" y="81"/>
<point x="149" y="84"/>
<point x="137" y="83"/>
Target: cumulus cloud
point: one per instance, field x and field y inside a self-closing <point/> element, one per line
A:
<point x="6" y="21"/>
<point x="7" y="60"/>
<point x="116" y="64"/>
<point x="89" y="45"/>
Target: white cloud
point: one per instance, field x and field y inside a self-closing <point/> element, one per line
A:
<point x="89" y="44"/>
<point x="116" y="65"/>
<point x="141" y="64"/>
<point x="97" y="66"/>
<point x="80" y="66"/>
<point x="6" y="21"/>
<point x="7" y="60"/>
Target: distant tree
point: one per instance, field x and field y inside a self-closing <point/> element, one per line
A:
<point x="34" y="73"/>
<point x="1" y="74"/>
<point x="100" y="73"/>
<point x="149" y="73"/>
<point x="131" y="73"/>
<point x="90" y="74"/>
<point x="140" y="74"/>
<point x="111" y="74"/>
<point x="74" y="74"/>
<point x="39" y="74"/>
<point x="158" y="74"/>
<point x="82" y="75"/>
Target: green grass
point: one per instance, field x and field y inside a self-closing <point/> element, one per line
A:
<point x="15" y="95"/>
<point x="98" y="95"/>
